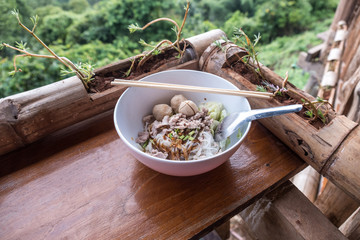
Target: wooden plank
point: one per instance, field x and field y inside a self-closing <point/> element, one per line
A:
<point x="344" y="99"/>
<point x="352" y="45"/>
<point x="307" y="181"/>
<point x="335" y="204"/>
<point x="285" y="214"/>
<point x="82" y="183"/>
<point x="314" y="52"/>
<point x="351" y="228"/>
<point x="314" y="68"/>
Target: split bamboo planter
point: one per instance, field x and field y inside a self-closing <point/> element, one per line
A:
<point x="332" y="150"/>
<point x="32" y="115"/>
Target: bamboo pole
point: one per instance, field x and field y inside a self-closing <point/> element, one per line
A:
<point x="329" y="81"/>
<point x="318" y="147"/>
<point x="343" y="12"/>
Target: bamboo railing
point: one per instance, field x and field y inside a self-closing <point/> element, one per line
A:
<point x="32" y="115"/>
<point x="330" y="150"/>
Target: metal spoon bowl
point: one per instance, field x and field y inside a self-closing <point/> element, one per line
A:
<point x="233" y="121"/>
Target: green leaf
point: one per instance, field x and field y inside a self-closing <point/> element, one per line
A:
<point x="321" y="115"/>
<point x="15" y="12"/>
<point x="145" y="144"/>
<point x="260" y="88"/>
<point x="257" y="39"/>
<point x="156" y="52"/>
<point x="239" y="134"/>
<point x="218" y="44"/>
<point x="66" y="71"/>
<point x="319" y="99"/>
<point x="134" y="27"/>
<point x="227" y="142"/>
<point x="309" y="113"/>
<point x="12" y="73"/>
<point x="174" y="29"/>
<point x="21" y="45"/>
<point x="225" y="38"/>
<point x="142" y="42"/>
<point x="34" y="19"/>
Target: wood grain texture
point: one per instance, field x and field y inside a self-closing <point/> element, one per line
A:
<point x="37" y="113"/>
<point x="344" y="11"/>
<point x="82" y="183"/>
<point x="350" y="57"/>
<point x="286" y="213"/>
<point x="351" y="228"/>
<point x="307" y="181"/>
<point x="335" y="204"/>
<point x="343" y="167"/>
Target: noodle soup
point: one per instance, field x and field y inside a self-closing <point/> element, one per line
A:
<point x="136" y="103"/>
<point x="182" y="131"/>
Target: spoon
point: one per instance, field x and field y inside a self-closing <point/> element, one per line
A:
<point x="232" y="122"/>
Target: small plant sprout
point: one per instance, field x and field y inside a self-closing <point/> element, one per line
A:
<point x="314" y="108"/>
<point x="260" y="88"/>
<point x="244" y="41"/>
<point x="159" y="47"/>
<point x="317" y="109"/>
<point x="218" y="44"/>
<point x="83" y="70"/>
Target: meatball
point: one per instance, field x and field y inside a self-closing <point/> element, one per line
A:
<point x="161" y="110"/>
<point x="188" y="108"/>
<point x="175" y="102"/>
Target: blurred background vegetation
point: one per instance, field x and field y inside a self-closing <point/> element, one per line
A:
<point x="96" y="31"/>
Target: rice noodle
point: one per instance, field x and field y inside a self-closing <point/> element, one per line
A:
<point x="180" y="138"/>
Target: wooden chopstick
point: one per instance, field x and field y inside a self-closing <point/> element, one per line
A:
<point x="170" y="86"/>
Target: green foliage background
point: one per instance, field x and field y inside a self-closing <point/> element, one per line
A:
<point x="96" y="31"/>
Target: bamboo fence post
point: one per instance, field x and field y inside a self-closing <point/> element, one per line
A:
<point x="332" y="68"/>
<point x="328" y="149"/>
<point x="343" y="13"/>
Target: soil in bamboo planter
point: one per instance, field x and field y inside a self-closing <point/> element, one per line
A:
<point x="165" y="60"/>
<point x="282" y="99"/>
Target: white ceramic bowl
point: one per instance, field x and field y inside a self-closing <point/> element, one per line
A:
<point x="137" y="102"/>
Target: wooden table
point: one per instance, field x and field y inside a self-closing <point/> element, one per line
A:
<point x="81" y="183"/>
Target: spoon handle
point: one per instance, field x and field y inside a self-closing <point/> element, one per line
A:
<point x="269" y="112"/>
